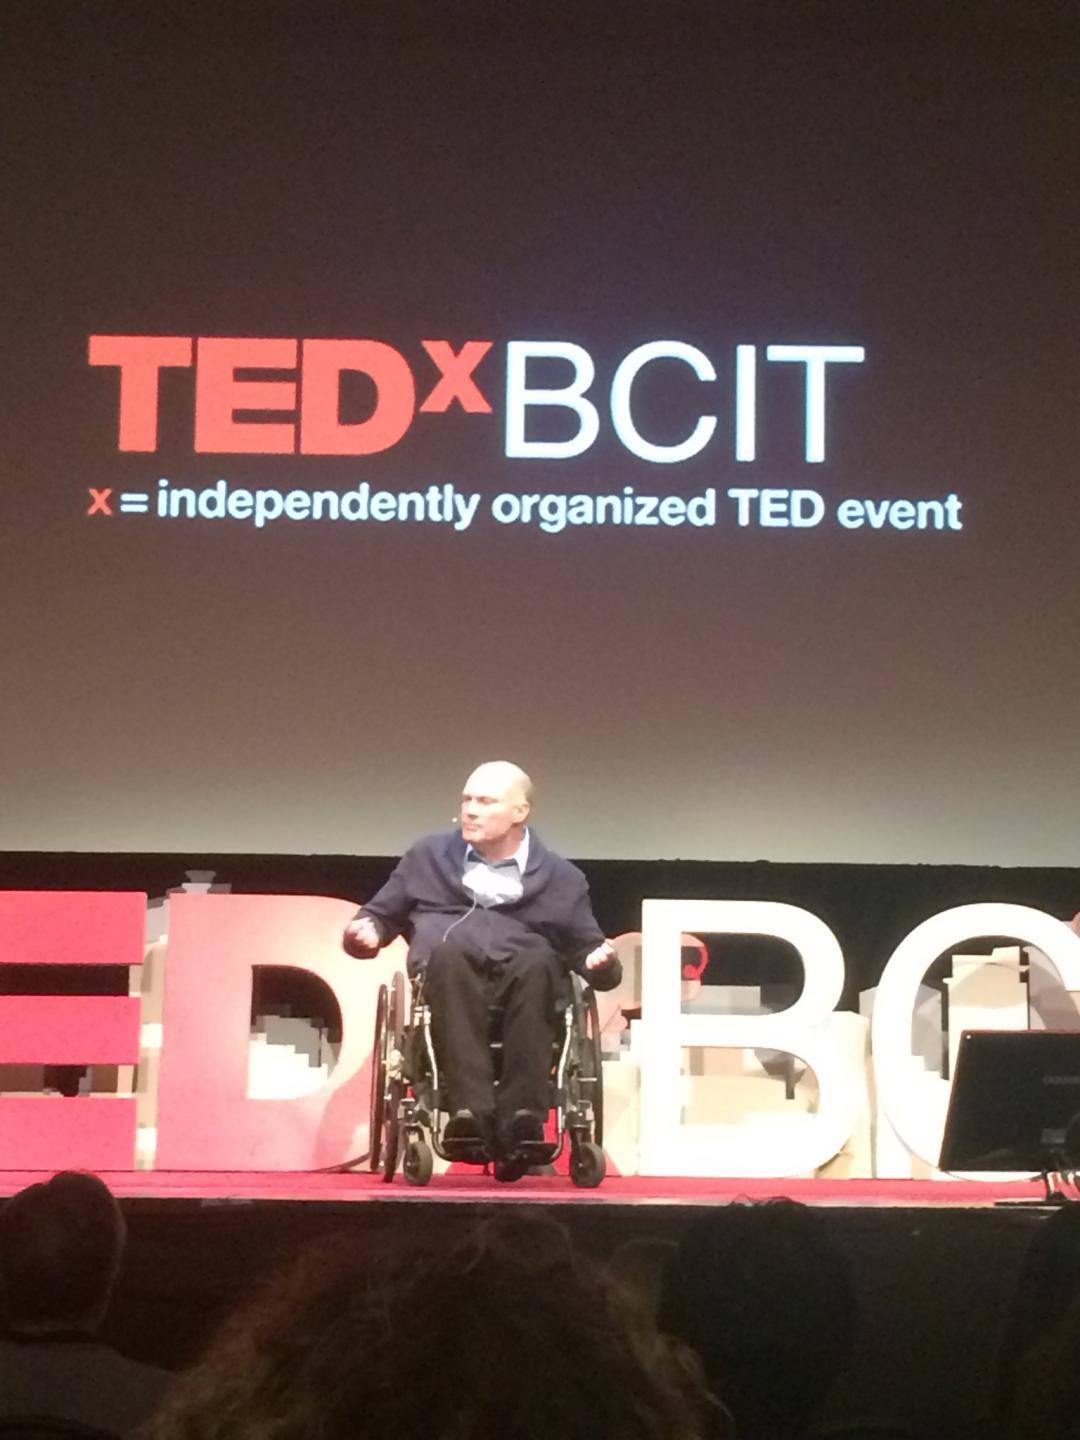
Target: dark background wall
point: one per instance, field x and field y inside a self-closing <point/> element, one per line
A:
<point x="870" y="908"/>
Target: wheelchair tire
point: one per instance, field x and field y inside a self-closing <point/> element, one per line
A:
<point x="587" y="1165"/>
<point x="418" y="1162"/>
<point x="393" y="1082"/>
<point x="378" y="1081"/>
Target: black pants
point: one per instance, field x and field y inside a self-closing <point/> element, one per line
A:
<point x="460" y="985"/>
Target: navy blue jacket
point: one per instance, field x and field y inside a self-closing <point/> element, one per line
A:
<point x="425" y="896"/>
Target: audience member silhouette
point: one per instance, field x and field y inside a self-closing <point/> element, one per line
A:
<point x="1039" y="1359"/>
<point x="768" y="1303"/>
<point x="61" y="1244"/>
<point x="506" y="1333"/>
<point x="1044" y="1401"/>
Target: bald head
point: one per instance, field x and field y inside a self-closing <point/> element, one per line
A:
<point x="495" y="805"/>
<point x="502" y="779"/>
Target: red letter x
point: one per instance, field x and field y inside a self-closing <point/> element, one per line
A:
<point x="99" y="502"/>
<point x="455" y="381"/>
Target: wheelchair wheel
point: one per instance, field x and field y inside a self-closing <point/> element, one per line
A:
<point x="394" y="1083"/>
<point x="587" y="1165"/>
<point x="418" y="1161"/>
<point x="378" y="1081"/>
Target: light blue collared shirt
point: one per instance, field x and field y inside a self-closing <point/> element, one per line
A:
<point x="496" y="882"/>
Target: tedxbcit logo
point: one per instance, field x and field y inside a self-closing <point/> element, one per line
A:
<point x="296" y="386"/>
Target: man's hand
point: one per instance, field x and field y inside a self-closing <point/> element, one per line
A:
<point x="601" y="958"/>
<point x="361" y="939"/>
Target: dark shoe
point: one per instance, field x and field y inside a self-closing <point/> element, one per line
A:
<point x="463" y="1125"/>
<point x="524" y="1129"/>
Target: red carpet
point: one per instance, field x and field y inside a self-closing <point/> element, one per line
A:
<point x="555" y="1189"/>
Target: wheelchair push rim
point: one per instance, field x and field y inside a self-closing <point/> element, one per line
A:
<point x="596" y="1065"/>
<point x="376" y="1105"/>
<point x="393" y="1080"/>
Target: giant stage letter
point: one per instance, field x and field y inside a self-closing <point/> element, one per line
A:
<point x="797" y="1145"/>
<point x="913" y="1102"/>
<point x="69" y="927"/>
<point x="205" y="1119"/>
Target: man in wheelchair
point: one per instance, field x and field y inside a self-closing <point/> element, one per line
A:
<point x="493" y="919"/>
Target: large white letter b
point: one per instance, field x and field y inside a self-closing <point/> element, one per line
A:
<point x="571" y="397"/>
<point x="800" y="1143"/>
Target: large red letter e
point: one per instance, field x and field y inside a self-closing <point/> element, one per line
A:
<point x="69" y="927"/>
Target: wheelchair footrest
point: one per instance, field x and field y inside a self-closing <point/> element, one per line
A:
<point x="467" y="1151"/>
<point x="474" y="1152"/>
<point x="537" y="1152"/>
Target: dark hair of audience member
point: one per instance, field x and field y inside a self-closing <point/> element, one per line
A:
<point x="1048" y="1283"/>
<point x="60" y="1248"/>
<point x="508" y="1332"/>
<point x="1044" y="1399"/>
<point x="768" y="1303"/>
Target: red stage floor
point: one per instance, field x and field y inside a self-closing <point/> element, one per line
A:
<point x="547" y="1190"/>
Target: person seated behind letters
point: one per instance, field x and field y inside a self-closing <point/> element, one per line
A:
<point x="492" y="917"/>
<point x="60" y="1249"/>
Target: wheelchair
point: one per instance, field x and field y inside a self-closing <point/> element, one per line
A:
<point x="408" y="1105"/>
